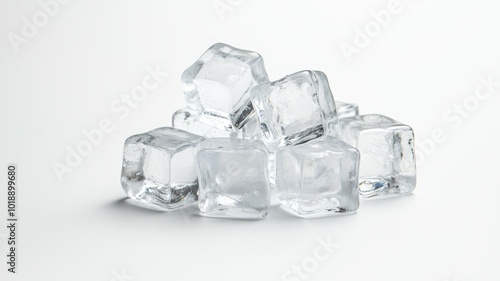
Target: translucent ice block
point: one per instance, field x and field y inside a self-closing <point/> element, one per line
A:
<point x="387" y="154"/>
<point x="189" y="120"/>
<point x="159" y="168"/>
<point x="233" y="178"/>
<point x="217" y="85"/>
<point x="318" y="178"/>
<point x="295" y="109"/>
<point x="345" y="109"/>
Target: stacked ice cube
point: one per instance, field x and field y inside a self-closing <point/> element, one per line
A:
<point x="243" y="140"/>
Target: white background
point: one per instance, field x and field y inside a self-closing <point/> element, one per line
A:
<point x="428" y="59"/>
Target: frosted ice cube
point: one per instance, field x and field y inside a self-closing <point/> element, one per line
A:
<point x="189" y="120"/>
<point x="345" y="109"/>
<point x="318" y="178"/>
<point x="217" y="85"/>
<point x="387" y="154"/>
<point x="159" y="168"/>
<point x="295" y="109"/>
<point x="233" y="178"/>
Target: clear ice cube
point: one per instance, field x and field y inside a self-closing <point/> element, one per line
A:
<point x="387" y="154"/>
<point x="189" y="120"/>
<point x="233" y="178"/>
<point x="318" y="178"/>
<point x="193" y="122"/>
<point x="159" y="168"/>
<point x="295" y="109"/>
<point x="345" y="109"/>
<point x="217" y="85"/>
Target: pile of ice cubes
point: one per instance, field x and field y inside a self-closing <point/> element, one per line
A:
<point x="244" y="142"/>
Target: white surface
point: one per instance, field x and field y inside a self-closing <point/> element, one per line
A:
<point x="65" y="79"/>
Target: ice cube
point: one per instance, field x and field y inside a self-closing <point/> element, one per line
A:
<point x="217" y="85"/>
<point x="233" y="178"/>
<point x="189" y="120"/>
<point x="159" y="168"/>
<point x="387" y="154"/>
<point x="295" y="109"/>
<point x="318" y="178"/>
<point x="345" y="109"/>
